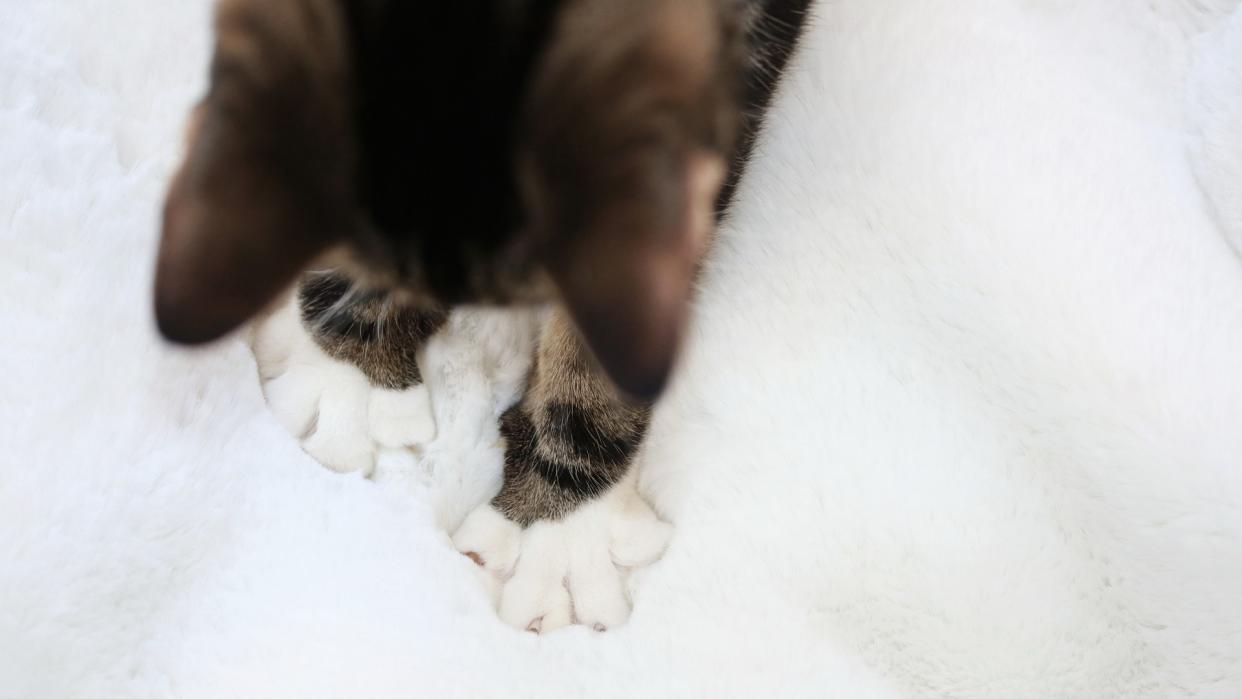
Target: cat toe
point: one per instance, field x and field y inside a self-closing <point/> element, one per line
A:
<point x="638" y="537"/>
<point x="294" y="403"/>
<point x="490" y="540"/>
<point x="536" y="597"/>
<point x="339" y="438"/>
<point x="274" y="340"/>
<point x="597" y="589"/>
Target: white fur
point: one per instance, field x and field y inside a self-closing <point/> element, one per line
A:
<point x="959" y="417"/>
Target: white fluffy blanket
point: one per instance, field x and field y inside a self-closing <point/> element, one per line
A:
<point x="961" y="416"/>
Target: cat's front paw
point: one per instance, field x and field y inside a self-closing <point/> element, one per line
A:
<point x="570" y="571"/>
<point x="341" y="420"/>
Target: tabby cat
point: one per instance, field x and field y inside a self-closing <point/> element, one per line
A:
<point x="436" y="154"/>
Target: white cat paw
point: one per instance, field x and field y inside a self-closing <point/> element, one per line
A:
<point x="341" y="420"/>
<point x="571" y="571"/>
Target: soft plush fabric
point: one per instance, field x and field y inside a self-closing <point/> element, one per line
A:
<point x="961" y="414"/>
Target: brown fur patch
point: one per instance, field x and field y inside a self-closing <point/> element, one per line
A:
<point x="572" y="437"/>
<point x="368" y="329"/>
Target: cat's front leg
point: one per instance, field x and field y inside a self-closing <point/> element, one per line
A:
<point x="340" y="372"/>
<point x="568" y="522"/>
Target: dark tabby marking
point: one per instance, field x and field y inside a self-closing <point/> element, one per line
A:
<point x="536" y="487"/>
<point x="492" y="151"/>
<point x="584" y="438"/>
<point x="367" y="328"/>
<point x="571" y="437"/>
